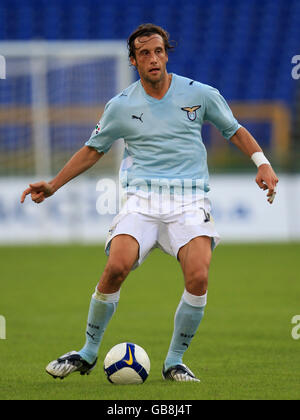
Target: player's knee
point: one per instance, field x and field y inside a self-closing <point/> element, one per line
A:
<point x="117" y="271"/>
<point x="196" y="280"/>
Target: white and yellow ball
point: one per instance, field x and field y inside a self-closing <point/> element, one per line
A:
<point x="126" y="364"/>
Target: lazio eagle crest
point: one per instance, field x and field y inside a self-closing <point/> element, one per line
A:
<point x="191" y="111"/>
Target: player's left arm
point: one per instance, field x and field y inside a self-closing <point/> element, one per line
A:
<point x="266" y="178"/>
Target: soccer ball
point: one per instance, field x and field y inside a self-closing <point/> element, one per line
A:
<point x="127" y="364"/>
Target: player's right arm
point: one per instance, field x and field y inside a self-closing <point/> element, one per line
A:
<point x="80" y="162"/>
<point x="106" y="132"/>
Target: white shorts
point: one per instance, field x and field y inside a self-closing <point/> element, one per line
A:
<point x="165" y="228"/>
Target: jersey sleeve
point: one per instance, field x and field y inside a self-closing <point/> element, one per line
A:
<point x="107" y="130"/>
<point x="217" y="112"/>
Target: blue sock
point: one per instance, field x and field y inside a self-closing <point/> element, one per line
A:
<point x="188" y="316"/>
<point x="102" y="308"/>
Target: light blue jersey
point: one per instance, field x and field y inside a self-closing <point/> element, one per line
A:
<point x="163" y="142"/>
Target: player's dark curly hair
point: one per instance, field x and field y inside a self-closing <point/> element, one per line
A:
<point x="147" y="29"/>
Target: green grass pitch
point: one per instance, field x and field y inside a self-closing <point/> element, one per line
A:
<point x="243" y="349"/>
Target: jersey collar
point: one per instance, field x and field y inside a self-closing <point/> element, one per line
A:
<point x="168" y="93"/>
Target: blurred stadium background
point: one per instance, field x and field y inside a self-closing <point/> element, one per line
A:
<point x="66" y="58"/>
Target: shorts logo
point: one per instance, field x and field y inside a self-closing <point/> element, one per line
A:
<point x="191" y="111"/>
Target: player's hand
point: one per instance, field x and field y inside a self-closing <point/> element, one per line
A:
<point x="266" y="179"/>
<point x="39" y="191"/>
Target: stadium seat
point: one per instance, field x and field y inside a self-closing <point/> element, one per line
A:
<point x="244" y="48"/>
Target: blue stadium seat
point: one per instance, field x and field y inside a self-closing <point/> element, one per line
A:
<point x="242" y="47"/>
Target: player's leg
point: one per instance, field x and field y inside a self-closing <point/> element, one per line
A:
<point x="105" y="300"/>
<point x="124" y="252"/>
<point x="194" y="259"/>
<point x="102" y="306"/>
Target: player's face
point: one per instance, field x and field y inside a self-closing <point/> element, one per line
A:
<point x="150" y="58"/>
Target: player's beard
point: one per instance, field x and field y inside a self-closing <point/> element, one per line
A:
<point x="155" y="80"/>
